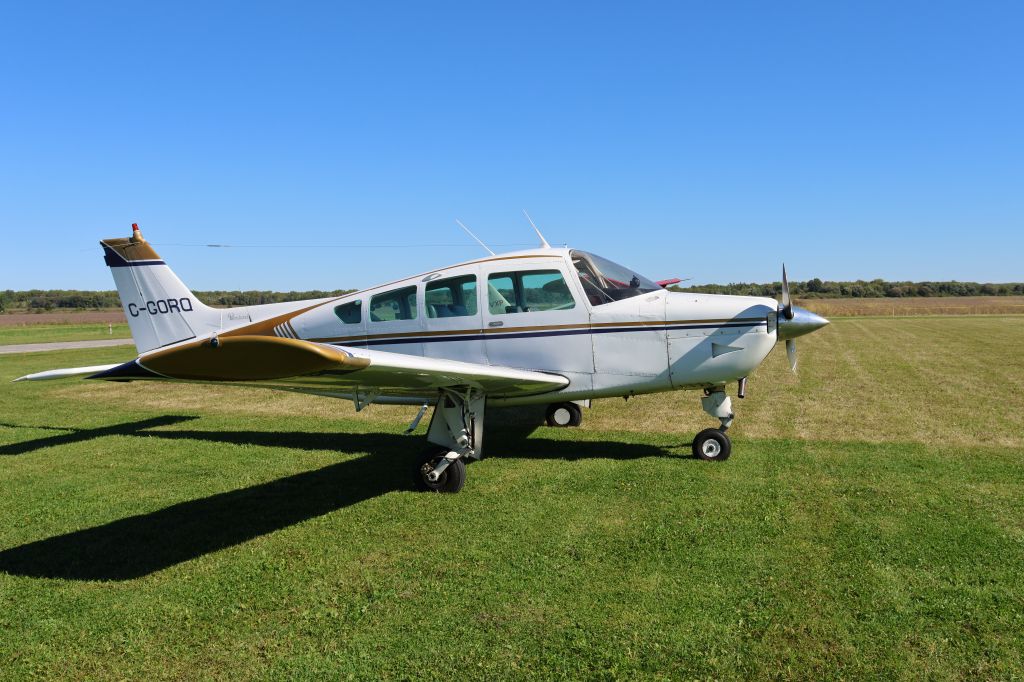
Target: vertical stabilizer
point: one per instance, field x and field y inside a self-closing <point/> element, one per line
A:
<point x="160" y="308"/>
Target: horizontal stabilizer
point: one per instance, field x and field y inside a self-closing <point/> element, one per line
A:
<point x="69" y="372"/>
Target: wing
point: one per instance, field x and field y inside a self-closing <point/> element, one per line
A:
<point x="294" y="364"/>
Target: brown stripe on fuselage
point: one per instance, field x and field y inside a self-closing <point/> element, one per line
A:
<point x="535" y="328"/>
<point x="266" y="327"/>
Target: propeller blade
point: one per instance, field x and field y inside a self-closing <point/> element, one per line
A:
<point x="791" y="354"/>
<point x="787" y="302"/>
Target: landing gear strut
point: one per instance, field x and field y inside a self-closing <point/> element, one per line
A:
<point x="455" y="435"/>
<point x="713" y="444"/>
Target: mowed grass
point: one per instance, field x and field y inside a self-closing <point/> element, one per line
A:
<point x="48" y="333"/>
<point x="870" y="524"/>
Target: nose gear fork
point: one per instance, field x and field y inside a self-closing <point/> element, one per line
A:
<point x="719" y="405"/>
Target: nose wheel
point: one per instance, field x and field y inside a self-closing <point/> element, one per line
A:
<point x="712" y="445"/>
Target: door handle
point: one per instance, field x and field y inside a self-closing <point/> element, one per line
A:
<point x="496" y="323"/>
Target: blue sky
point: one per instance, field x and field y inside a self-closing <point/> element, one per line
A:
<point x="703" y="140"/>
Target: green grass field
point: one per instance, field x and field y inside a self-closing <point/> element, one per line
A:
<point x="870" y="524"/>
<point x="46" y="333"/>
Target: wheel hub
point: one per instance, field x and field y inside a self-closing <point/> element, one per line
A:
<point x="711" y="448"/>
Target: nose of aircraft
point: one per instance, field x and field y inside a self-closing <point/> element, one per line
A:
<point x="802" y="322"/>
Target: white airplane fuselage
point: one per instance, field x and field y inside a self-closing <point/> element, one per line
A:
<point x="645" y="343"/>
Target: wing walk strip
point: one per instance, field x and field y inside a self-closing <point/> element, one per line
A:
<point x="541" y="331"/>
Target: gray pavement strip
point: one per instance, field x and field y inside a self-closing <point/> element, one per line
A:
<point x="62" y="345"/>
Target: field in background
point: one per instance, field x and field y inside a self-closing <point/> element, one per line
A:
<point x="48" y="333"/>
<point x="870" y="524"/>
<point x="905" y="307"/>
<point x="62" y="317"/>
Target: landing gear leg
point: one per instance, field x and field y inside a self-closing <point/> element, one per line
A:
<point x="455" y="435"/>
<point x="713" y="444"/>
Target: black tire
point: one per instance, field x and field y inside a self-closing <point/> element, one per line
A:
<point x="562" y="415"/>
<point x="712" y="445"/>
<point x="452" y="478"/>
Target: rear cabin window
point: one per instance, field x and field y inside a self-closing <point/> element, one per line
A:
<point x="528" y="292"/>
<point x="399" y="304"/>
<point x="350" y="313"/>
<point x="452" y="297"/>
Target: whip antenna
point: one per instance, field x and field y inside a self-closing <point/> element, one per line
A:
<point x="486" y="248"/>
<point x="543" y="242"/>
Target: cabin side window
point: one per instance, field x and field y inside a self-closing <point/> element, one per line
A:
<point x="452" y="297"/>
<point x="399" y="304"/>
<point x="350" y="313"/>
<point x="528" y="292"/>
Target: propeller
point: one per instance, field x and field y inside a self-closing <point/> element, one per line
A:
<point x="791" y="354"/>
<point x="787" y="302"/>
<point x="794" y="322"/>
<point x="787" y="312"/>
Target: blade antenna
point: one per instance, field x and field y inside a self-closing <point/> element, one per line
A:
<point x="543" y="242"/>
<point x="486" y="248"/>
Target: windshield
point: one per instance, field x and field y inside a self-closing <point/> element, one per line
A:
<point x="605" y="281"/>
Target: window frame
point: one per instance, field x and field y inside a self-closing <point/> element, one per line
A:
<point x="441" y="282"/>
<point x="358" y="303"/>
<point x="519" y="291"/>
<point x="397" y="295"/>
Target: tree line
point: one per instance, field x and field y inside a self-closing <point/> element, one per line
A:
<point x="876" y="288"/>
<point x="72" y="299"/>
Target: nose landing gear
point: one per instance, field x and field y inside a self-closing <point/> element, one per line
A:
<point x="713" y="444"/>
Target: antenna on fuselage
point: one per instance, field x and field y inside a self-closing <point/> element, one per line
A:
<point x="487" y="248"/>
<point x="543" y="242"/>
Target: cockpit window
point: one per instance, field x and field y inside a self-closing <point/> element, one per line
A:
<point x="605" y="281"/>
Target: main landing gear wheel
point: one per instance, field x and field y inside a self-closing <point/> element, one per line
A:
<point x="712" y="445"/>
<point x="451" y="479"/>
<point x="564" y="414"/>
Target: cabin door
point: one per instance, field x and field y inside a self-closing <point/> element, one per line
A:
<point x="533" y="318"/>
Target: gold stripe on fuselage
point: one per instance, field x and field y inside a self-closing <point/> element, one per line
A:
<point x="497" y="331"/>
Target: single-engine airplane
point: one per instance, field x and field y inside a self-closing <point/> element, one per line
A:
<point x="554" y="326"/>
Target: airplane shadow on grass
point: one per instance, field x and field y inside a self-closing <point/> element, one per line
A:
<point x="139" y="545"/>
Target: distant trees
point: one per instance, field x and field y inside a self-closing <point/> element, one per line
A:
<point x="70" y="299"/>
<point x="876" y="288"/>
